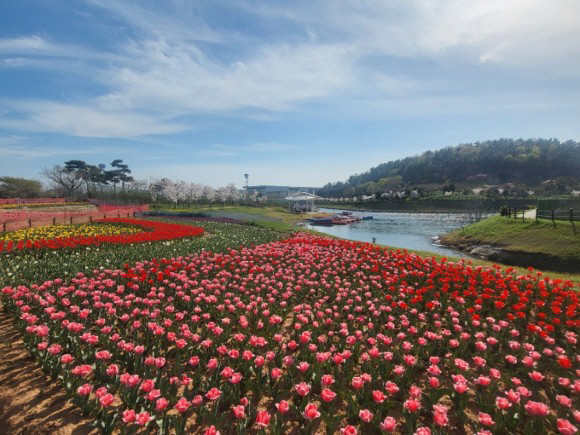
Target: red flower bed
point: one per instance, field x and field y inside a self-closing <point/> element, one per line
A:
<point x="155" y="231"/>
<point x="313" y="333"/>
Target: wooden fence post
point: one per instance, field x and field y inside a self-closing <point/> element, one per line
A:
<point x="90" y="219"/>
<point x="4" y="226"/>
<point x="71" y="220"/>
<point x="54" y="221"/>
<point x="571" y="215"/>
<point x="29" y="223"/>
<point x="524" y="214"/>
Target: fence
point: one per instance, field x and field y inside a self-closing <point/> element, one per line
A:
<point x="553" y="214"/>
<point x="558" y="209"/>
<point x="32" y="200"/>
<point x="558" y="215"/>
<point x="62" y="219"/>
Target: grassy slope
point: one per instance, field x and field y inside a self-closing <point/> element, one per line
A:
<point x="513" y="234"/>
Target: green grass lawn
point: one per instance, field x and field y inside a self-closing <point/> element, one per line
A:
<point x="529" y="236"/>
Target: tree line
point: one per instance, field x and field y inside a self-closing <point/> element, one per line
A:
<point x="76" y="179"/>
<point x="529" y="162"/>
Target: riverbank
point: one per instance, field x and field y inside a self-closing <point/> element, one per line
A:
<point x="432" y="206"/>
<point x="540" y="244"/>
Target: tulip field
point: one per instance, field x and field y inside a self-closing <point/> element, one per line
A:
<point x="215" y="327"/>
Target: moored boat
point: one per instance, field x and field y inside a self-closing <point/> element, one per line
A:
<point x="321" y="221"/>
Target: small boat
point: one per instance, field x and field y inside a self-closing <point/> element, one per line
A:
<point x="367" y="218"/>
<point x="344" y="219"/>
<point x="321" y="221"/>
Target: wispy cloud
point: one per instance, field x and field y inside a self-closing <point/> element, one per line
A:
<point x="178" y="62"/>
<point x="25" y="148"/>
<point x="180" y="78"/>
<point x="79" y="120"/>
<point x="37" y="46"/>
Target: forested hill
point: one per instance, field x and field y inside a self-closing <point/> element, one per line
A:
<point x="529" y="162"/>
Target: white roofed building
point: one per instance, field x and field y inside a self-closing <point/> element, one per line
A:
<point x="301" y="202"/>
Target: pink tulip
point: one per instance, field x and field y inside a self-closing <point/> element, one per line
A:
<point x="485" y="419"/>
<point x="283" y="407"/>
<point x="263" y="419"/>
<point x="302" y="389"/>
<point x="391" y="387"/>
<point x="143" y="418"/>
<point x="213" y="394"/>
<point x="129" y="416"/>
<point x="239" y="411"/>
<point x="327" y="380"/>
<point x="182" y="405"/>
<point x="365" y="415"/>
<point x="537" y="408"/>
<point x="536" y="376"/>
<point x="106" y="400"/>
<point x="564" y="401"/>
<point x="327" y="395"/>
<point x="84" y="390"/>
<point x="388" y="424"/>
<point x="357" y="382"/>
<point x="311" y="412"/>
<point x="412" y="405"/>
<point x="460" y="387"/>
<point x="565" y="427"/>
<point x="378" y="396"/>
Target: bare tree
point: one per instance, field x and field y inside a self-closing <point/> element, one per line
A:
<point x="60" y="178"/>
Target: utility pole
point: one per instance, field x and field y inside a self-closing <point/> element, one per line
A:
<point x="246" y="176"/>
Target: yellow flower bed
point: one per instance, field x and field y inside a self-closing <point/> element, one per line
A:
<point x="56" y="231"/>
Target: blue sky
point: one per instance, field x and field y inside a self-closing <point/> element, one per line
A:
<point x="299" y="93"/>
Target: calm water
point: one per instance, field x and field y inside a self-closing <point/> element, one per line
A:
<point x="401" y="230"/>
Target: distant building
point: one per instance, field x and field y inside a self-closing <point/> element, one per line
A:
<point x="280" y="192"/>
<point x="302" y="202"/>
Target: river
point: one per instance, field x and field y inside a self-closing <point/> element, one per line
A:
<point x="400" y="230"/>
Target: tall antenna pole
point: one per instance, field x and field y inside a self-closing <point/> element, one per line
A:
<point x="246" y="176"/>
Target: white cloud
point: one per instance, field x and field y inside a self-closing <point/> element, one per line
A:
<point x="15" y="62"/>
<point x="27" y="44"/>
<point x="534" y="32"/>
<point x="171" y="19"/>
<point x="519" y="32"/>
<point x="26" y="148"/>
<point x="36" y="46"/>
<point x="173" y="67"/>
<point x="78" y="120"/>
<point x="179" y="78"/>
